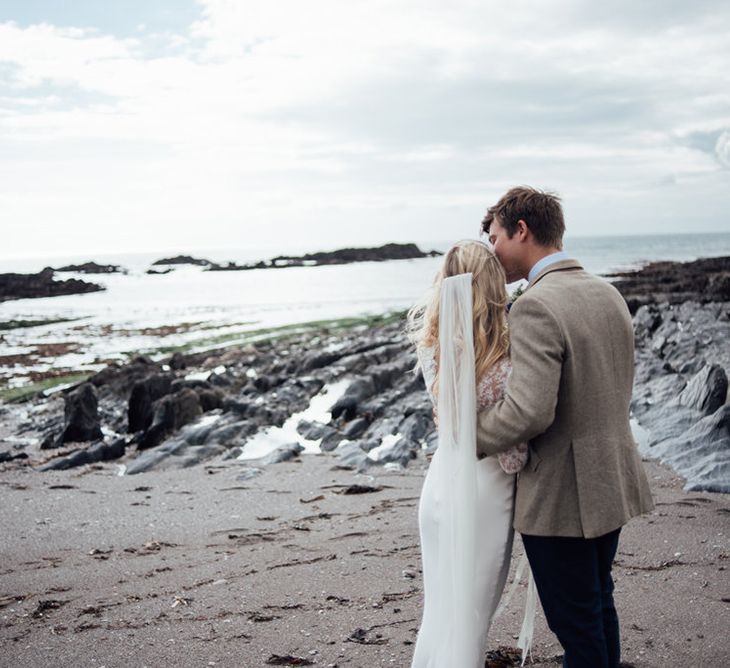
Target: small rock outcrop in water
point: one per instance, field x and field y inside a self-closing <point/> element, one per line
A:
<point x="93" y="268"/>
<point x="341" y="256"/>
<point x="182" y="260"/>
<point x="347" y="255"/>
<point x="42" y="284"/>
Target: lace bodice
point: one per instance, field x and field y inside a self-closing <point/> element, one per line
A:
<point x="490" y="390"/>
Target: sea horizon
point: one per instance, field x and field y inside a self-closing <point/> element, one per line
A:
<point x="678" y="246"/>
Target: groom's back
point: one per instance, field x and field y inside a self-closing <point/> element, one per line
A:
<point x="598" y="367"/>
<point x="586" y="476"/>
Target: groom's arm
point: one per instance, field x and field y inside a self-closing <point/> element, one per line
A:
<point x="528" y="406"/>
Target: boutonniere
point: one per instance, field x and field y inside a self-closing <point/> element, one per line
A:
<point x="514" y="296"/>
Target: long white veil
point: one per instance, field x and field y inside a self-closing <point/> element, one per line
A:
<point x="457" y="483"/>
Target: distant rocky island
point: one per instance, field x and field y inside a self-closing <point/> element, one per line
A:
<point x="182" y="260"/>
<point x="340" y="256"/>
<point x="42" y="284"/>
<point x="92" y="268"/>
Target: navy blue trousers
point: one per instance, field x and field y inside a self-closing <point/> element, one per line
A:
<point x="573" y="579"/>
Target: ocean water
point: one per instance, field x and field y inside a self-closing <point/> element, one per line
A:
<point x="193" y="306"/>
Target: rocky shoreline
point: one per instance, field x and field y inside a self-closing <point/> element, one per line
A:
<point x="704" y="281"/>
<point x="682" y="330"/>
<point x="196" y="408"/>
<point x="205" y="407"/>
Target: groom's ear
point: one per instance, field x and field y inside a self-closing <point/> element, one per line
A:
<point x="522" y="232"/>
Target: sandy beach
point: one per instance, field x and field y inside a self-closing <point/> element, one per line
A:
<point x="202" y="556"/>
<point x="302" y="564"/>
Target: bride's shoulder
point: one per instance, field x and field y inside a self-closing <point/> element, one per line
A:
<point x="503" y="361"/>
<point x="501" y="366"/>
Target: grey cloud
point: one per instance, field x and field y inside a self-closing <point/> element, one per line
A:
<point x="638" y="17"/>
<point x="722" y="149"/>
<point x="715" y="143"/>
<point x="414" y="112"/>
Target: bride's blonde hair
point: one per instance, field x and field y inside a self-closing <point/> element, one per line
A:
<point x="489" y="305"/>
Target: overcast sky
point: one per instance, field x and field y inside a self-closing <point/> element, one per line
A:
<point x="182" y="125"/>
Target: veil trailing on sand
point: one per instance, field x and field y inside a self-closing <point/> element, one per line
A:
<point x="457" y="483"/>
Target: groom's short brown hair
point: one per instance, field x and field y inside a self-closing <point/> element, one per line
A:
<point x="540" y="210"/>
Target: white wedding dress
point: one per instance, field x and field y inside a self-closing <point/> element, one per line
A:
<point x="466" y="507"/>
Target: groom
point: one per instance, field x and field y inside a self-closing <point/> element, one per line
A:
<point x="568" y="398"/>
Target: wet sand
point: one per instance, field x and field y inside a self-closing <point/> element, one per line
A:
<point x="206" y="567"/>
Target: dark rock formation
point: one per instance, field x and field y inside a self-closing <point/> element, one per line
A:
<point x="177" y="362"/>
<point x="680" y="389"/>
<point x="341" y="256"/>
<point x="93" y="268"/>
<point x="701" y="453"/>
<point x="97" y="452"/>
<point x="313" y="431"/>
<point x="351" y="455"/>
<point x="282" y="454"/>
<point x="705" y="280"/>
<point x="8" y="456"/>
<point x="119" y="379"/>
<point x="42" y="284"/>
<point x="82" y="415"/>
<point x="348" y="405"/>
<point x="81" y="418"/>
<point x="172" y="411"/>
<point x="144" y="394"/>
<point x="182" y="259"/>
<point x="331" y="440"/>
<point x="356" y="428"/>
<point x="706" y="391"/>
<point x="348" y="255"/>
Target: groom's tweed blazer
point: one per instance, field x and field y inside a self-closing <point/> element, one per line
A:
<point x="568" y="397"/>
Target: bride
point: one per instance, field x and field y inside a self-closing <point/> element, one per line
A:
<point x="466" y="506"/>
